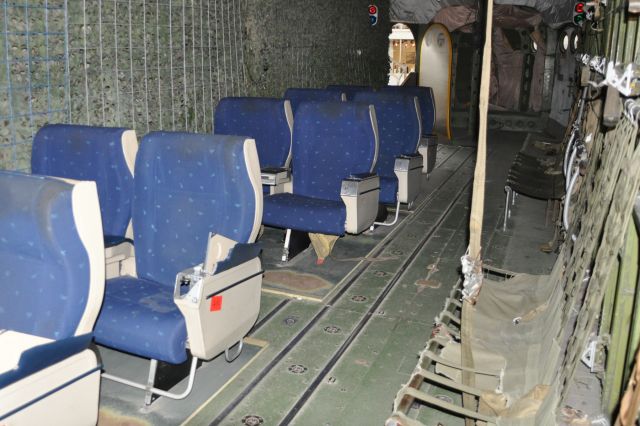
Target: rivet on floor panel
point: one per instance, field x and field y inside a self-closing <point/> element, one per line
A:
<point x="359" y="299"/>
<point x="290" y="320"/>
<point x="331" y="380"/>
<point x="397" y="252"/>
<point x="380" y="273"/>
<point x="297" y="369"/>
<point x="252" y="420"/>
<point x="332" y="329"/>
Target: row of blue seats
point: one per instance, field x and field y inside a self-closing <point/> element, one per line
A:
<point x="160" y="294"/>
<point x="193" y="284"/>
<point x="106" y="155"/>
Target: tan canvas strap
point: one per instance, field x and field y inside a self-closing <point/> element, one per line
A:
<point x="472" y="261"/>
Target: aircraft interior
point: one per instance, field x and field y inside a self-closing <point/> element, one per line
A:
<point x="267" y="212"/>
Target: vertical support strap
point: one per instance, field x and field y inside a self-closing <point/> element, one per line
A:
<point x="477" y="202"/>
<point x="477" y="213"/>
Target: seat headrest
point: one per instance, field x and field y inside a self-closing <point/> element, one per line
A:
<point x="427" y="103"/>
<point x="269" y="121"/>
<point x="299" y="95"/>
<point x="398" y="116"/>
<point x="105" y="155"/>
<point x="332" y="140"/>
<point x="188" y="185"/>
<point x="51" y="255"/>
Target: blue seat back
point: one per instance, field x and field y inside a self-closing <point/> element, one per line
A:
<point x="186" y="186"/>
<point x="267" y="120"/>
<point x="349" y="91"/>
<point x="427" y="104"/>
<point x="90" y="153"/>
<point x="398" y="126"/>
<point x="45" y="268"/>
<point x="298" y="96"/>
<point x="331" y="140"/>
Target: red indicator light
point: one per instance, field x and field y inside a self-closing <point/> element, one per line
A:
<point x="373" y="10"/>
<point x="579" y="7"/>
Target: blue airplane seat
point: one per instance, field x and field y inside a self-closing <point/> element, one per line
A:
<point x="332" y="142"/>
<point x="269" y="121"/>
<point x="51" y="290"/>
<point x="399" y="128"/>
<point x="197" y="280"/>
<point x="104" y="155"/>
<point x="299" y="95"/>
<point x="427" y="104"/>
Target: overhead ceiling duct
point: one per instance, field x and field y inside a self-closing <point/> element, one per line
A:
<point x="554" y="13"/>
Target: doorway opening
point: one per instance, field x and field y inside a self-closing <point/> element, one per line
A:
<point x="402" y="54"/>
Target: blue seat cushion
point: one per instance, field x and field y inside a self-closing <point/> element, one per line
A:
<point x="304" y="214"/>
<point x="388" y="189"/>
<point x="139" y="316"/>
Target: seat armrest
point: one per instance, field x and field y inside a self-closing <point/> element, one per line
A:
<point x="408" y="162"/>
<point x="220" y="308"/>
<point x="42" y="356"/>
<point x="51" y="382"/>
<point x="408" y="170"/>
<point x="360" y="195"/>
<point x="430" y="139"/>
<point x="273" y="176"/>
<point x="120" y="260"/>
<point x="359" y="177"/>
<point x="428" y="148"/>
<point x="359" y="184"/>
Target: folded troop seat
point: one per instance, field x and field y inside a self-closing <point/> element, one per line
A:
<point x="349" y="90"/>
<point x="399" y="164"/>
<point x="51" y="290"/>
<point x="269" y="121"/>
<point x="299" y="95"/>
<point x="197" y="278"/>
<point x="105" y="155"/>
<point x="335" y="190"/>
<point x="429" y="141"/>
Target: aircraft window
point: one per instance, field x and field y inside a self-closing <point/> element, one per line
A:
<point x="564" y="43"/>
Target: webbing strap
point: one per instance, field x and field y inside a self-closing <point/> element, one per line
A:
<point x="477" y="212"/>
<point x="477" y="201"/>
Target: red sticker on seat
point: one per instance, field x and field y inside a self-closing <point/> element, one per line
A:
<point x="216" y="303"/>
